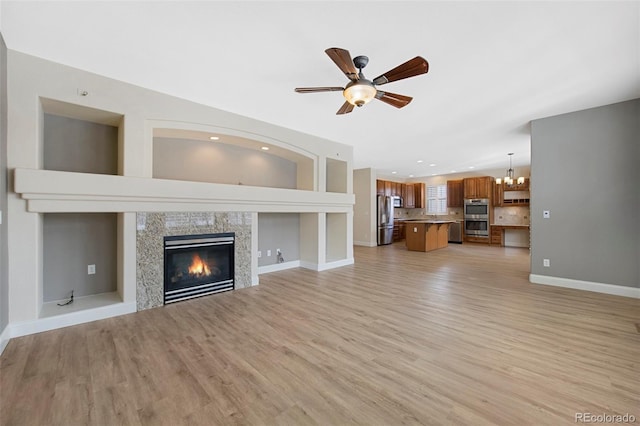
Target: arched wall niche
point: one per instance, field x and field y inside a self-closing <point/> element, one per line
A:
<point x="193" y="152"/>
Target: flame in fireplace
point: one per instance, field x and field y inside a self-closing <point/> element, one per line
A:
<point x="198" y="267"/>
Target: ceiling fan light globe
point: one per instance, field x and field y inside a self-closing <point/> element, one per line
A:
<point x="359" y="93"/>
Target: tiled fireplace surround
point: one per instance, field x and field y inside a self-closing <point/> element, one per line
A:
<point x="152" y="227"/>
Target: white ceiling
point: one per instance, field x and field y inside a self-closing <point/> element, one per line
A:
<point x="494" y="66"/>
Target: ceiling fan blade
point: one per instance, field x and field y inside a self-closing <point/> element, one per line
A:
<point x="346" y="108"/>
<point x="411" y="68"/>
<point x="343" y="60"/>
<point x="393" y="99"/>
<point x="318" y="89"/>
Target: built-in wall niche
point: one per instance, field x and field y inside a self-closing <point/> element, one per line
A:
<point x="336" y="176"/>
<point x="234" y="160"/>
<point x="335" y="237"/>
<point x="79" y="255"/>
<point x="79" y="139"/>
<point x="278" y="231"/>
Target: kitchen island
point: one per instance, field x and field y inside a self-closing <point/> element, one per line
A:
<point x="427" y="235"/>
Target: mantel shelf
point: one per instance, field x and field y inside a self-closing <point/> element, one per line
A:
<point x="56" y="191"/>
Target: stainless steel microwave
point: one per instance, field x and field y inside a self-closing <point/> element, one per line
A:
<point x="397" y="202"/>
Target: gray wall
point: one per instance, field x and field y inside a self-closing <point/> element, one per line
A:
<point x="584" y="170"/>
<point x="4" y="281"/>
<point x="79" y="146"/>
<point x="278" y="230"/>
<point x="214" y="162"/>
<point x="71" y="241"/>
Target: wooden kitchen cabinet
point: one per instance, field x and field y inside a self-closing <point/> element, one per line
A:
<point x="387" y="187"/>
<point x="477" y="187"/>
<point x="455" y="193"/>
<point x="498" y="194"/>
<point x="419" y="191"/>
<point x="379" y="187"/>
<point x="410" y="196"/>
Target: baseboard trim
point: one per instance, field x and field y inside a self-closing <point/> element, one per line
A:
<point x="616" y="290"/>
<point x="4" y="338"/>
<point x="365" y="243"/>
<point x="278" y="267"/>
<point x="328" y="265"/>
<point x="73" y="318"/>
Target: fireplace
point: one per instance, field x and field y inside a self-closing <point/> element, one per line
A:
<point x="198" y="265"/>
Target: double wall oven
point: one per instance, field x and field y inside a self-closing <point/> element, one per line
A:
<point x="476" y="217"/>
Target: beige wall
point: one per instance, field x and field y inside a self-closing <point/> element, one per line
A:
<point x="137" y="113"/>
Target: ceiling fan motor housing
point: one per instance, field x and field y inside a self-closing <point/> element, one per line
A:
<point x="360" y="62"/>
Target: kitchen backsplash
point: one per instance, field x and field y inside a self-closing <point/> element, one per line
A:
<point x="455" y="213"/>
<point x="511" y="215"/>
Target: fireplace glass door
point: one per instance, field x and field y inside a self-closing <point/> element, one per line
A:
<point x="197" y="265"/>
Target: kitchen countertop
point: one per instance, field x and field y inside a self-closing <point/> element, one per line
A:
<point x="431" y="221"/>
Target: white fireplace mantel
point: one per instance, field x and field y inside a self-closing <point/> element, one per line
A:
<point x="48" y="191"/>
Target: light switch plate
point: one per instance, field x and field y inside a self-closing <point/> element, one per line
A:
<point x="546" y="214"/>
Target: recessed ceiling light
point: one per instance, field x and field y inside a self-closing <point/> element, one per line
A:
<point x="214" y="138"/>
<point x="265" y="148"/>
<point x="433" y="174"/>
<point x="410" y="175"/>
<point x="393" y="173"/>
<point x="420" y="161"/>
<point x="432" y="165"/>
<point x="453" y="171"/>
<point x="471" y="167"/>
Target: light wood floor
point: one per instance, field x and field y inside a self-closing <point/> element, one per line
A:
<point x="457" y="336"/>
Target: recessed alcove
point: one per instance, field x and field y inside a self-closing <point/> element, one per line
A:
<point x="228" y="159"/>
<point x="79" y="139"/>
<point x="336" y="244"/>
<point x="337" y="176"/>
<point x="278" y="231"/>
<point x="79" y="252"/>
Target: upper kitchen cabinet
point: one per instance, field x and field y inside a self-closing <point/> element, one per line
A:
<point x="477" y="187"/>
<point x="455" y="193"/>
<point x="379" y="187"/>
<point x="498" y="194"/>
<point x="511" y="195"/>
<point x="420" y="202"/>
<point x="409" y="195"/>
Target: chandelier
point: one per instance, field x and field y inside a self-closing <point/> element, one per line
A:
<point x="508" y="179"/>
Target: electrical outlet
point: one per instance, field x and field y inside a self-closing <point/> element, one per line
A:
<point x="546" y="263"/>
<point x="259" y="254"/>
<point x="415" y="229"/>
<point x="268" y="253"/>
<point x="91" y="269"/>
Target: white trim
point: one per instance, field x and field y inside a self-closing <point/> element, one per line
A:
<point x="365" y="243"/>
<point x="255" y="280"/>
<point x="617" y="290"/>
<point x="4" y="338"/>
<point x="326" y="266"/>
<point x="278" y="267"/>
<point x="72" y="318"/>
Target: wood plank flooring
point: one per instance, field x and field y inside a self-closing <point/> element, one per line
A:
<point x="454" y="336"/>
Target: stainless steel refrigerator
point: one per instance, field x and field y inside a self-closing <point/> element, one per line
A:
<point x="385" y="220"/>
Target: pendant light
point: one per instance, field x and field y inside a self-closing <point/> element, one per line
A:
<point x="508" y="179"/>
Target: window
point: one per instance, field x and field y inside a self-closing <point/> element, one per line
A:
<point x="437" y="199"/>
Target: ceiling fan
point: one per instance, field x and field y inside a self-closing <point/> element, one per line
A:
<point x="359" y="90"/>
